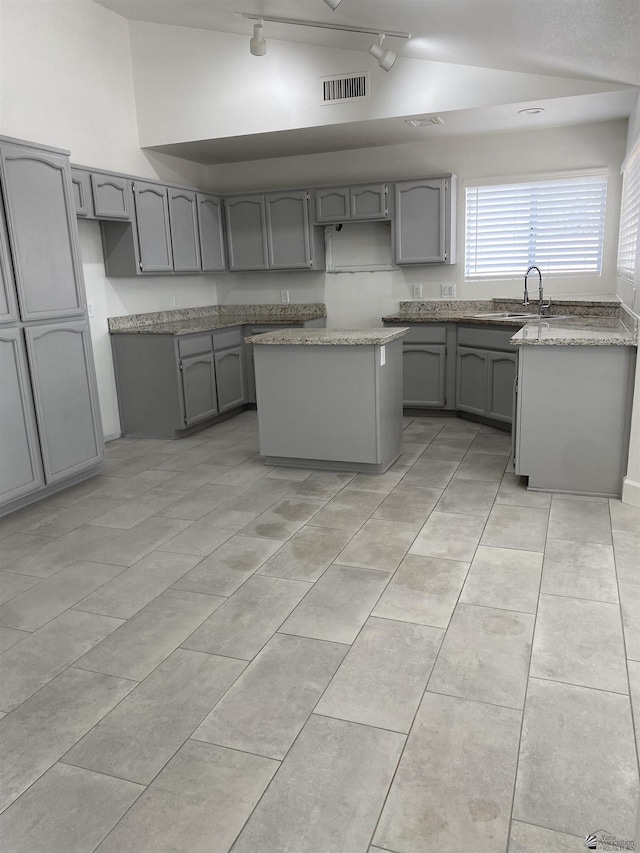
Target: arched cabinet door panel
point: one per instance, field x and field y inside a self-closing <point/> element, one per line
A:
<point x="230" y="378"/>
<point x="185" y="243"/>
<point x="246" y="232"/>
<point x="423" y="375"/>
<point x="8" y="304"/>
<point x="20" y="467"/>
<point x="154" y="233"/>
<point x="211" y="233"/>
<point x="111" y="196"/>
<point x="422" y="226"/>
<point x="198" y="388"/>
<point x="288" y="230"/>
<point x="471" y="380"/>
<point x="501" y="377"/>
<point x="65" y="398"/>
<point x="42" y="231"/>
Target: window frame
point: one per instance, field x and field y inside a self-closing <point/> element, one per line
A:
<point x="628" y="256"/>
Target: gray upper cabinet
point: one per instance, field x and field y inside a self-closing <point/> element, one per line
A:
<point x="8" y="306"/>
<point x="185" y="242"/>
<point x="288" y="231"/>
<point x="356" y="203"/>
<point x="424" y="221"/>
<point x="211" y="233"/>
<point x="246" y="232"/>
<point x="42" y="232"/>
<point x="20" y="467"/>
<point x="154" y="234"/>
<point x="65" y="397"/>
<point x="111" y="196"/>
<point x="82" y="194"/>
<point x="199" y="388"/>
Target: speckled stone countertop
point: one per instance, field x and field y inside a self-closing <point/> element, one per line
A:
<point x="186" y="321"/>
<point x="328" y="337"/>
<point x="580" y="322"/>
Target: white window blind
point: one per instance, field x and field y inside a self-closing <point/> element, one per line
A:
<point x="557" y="224"/>
<point x="630" y="217"/>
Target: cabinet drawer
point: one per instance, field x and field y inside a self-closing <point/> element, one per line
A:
<point x="426" y="334"/>
<point x="227" y="338"/>
<point x="487" y="337"/>
<point x="194" y="344"/>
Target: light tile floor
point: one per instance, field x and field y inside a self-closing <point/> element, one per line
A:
<point x="202" y="653"/>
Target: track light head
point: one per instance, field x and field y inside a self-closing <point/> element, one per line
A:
<point x="385" y="58"/>
<point x="257" y="45"/>
<point x="333" y="3"/>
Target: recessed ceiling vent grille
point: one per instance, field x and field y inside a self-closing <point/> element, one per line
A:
<point x="339" y="90"/>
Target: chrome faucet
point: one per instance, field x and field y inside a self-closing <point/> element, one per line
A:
<point x="542" y="305"/>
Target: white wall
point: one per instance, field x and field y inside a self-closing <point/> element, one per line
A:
<point x="66" y="81"/>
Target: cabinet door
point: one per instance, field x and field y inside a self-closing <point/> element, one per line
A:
<point x="471" y="381"/>
<point x="211" y="234"/>
<point x="423" y="375"/>
<point x="288" y="230"/>
<point x="198" y="388"/>
<point x="8" y="305"/>
<point x="419" y="222"/>
<point x="66" y="401"/>
<point x="82" y="197"/>
<point x="501" y="377"/>
<point x="20" y="467"/>
<point x="185" y="242"/>
<point x="111" y="197"/>
<point x="246" y="233"/>
<point x="332" y="205"/>
<point x="41" y="224"/>
<point x="369" y="202"/>
<point x="230" y="378"/>
<point x="154" y="235"/>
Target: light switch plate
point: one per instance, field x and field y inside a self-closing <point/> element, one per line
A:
<point x="284" y="296"/>
<point x="417" y="291"/>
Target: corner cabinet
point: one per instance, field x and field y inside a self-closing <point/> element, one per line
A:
<point x="424" y="222"/>
<point x="486" y="372"/>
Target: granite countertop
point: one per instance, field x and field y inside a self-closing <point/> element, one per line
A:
<point x="328" y="337"/>
<point x="186" y="321"/>
<point x="580" y="321"/>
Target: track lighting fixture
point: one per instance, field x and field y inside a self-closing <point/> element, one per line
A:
<point x="257" y="45"/>
<point x="333" y="3"/>
<point x="385" y="58"/>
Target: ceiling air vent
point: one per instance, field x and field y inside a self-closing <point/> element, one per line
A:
<point x="424" y="122"/>
<point x="339" y="90"/>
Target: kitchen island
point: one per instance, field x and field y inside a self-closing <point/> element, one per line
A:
<point x="330" y="398"/>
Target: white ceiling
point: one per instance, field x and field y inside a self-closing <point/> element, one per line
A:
<point x="595" y="40"/>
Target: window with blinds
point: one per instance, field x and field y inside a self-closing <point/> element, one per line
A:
<point x="630" y="217"/>
<point x="555" y="224"/>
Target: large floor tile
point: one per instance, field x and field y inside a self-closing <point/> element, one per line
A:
<point x="459" y="427"/>
<point x="38" y="605"/>
<point x="186" y="460"/>
<point x="271" y="701"/>
<point x="246" y="621"/>
<point x="498" y="445"/>
<point x="137" y="647"/>
<point x="45" y="726"/>
<point x="133" y="487"/>
<point x="524" y="529"/>
<point x="39" y="657"/>
<point x="382" y="679"/>
<point x="10" y="636"/>
<point x="381" y="483"/>
<point x="455" y="781"/>
<point x="261" y="495"/>
<point x="348" y="510"/>
<point x="229" y="566"/>
<point x="449" y="536"/>
<point x="634" y="692"/>
<point x="513" y="491"/>
<point x="450" y="447"/>
<point x="322" y="484"/>
<point x="243" y="474"/>
<point x="379" y="545"/>
<point x="624" y="516"/>
<point x="409" y="452"/>
<point x="580" y="569"/>
<point x="410" y="504"/>
<point x="307" y="554"/>
<point x="430" y="473"/>
<point x="423" y="590"/>
<point x="577" y="765"/>
<point x="341" y="772"/>
<point x="579" y="642"/>
<point x="198" y="803"/>
<point x="504" y="577"/>
<point x="201" y="538"/>
<point x="19" y="544"/>
<point x="138" y="737"/>
<point x="421" y="430"/>
<point x="468" y="497"/>
<point x="626" y="545"/>
<point x="68" y="809"/>
<point x="526" y="838"/>
<point x="12" y="585"/>
<point x="135" y="587"/>
<point x="485" y="656"/>
<point x="68" y="518"/>
<point x="134" y="544"/>
<point x="284" y="518"/>
<point x="126" y="515"/>
<point x="482" y="466"/>
<point x="200" y="502"/>
<point x="56" y="555"/>
<point x="580" y="521"/>
<point x="338" y="605"/>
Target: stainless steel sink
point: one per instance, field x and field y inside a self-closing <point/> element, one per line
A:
<point x="506" y="315"/>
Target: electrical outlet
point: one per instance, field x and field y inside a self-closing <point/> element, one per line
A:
<point x="90" y="311"/>
<point x="447" y="291"/>
<point x="417" y="291"/>
<point x="284" y="296"/>
<point x="175" y="301"/>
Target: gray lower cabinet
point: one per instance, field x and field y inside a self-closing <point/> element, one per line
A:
<point x="198" y="377"/>
<point x="20" y="461"/>
<point x="211" y="233"/>
<point x="424" y="221"/>
<point x="501" y="377"/>
<point x="185" y="240"/>
<point x="230" y="378"/>
<point x="65" y="398"/>
<point x="423" y="375"/>
<point x="485" y="383"/>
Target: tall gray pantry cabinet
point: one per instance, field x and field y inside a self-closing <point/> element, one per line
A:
<point x="50" y="433"/>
